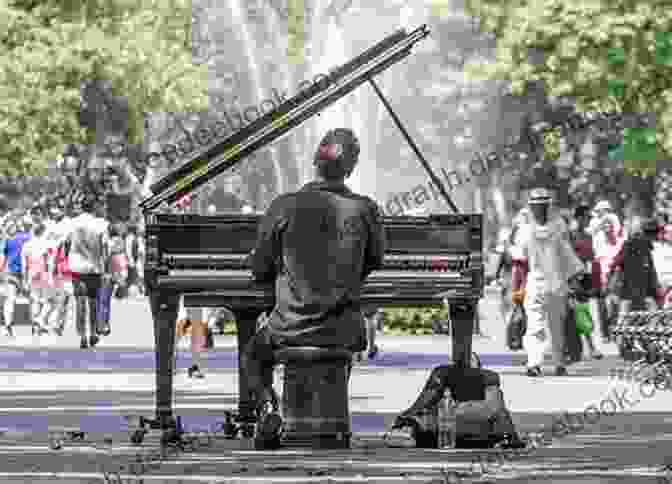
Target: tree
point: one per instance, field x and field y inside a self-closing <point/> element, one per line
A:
<point x="604" y="56"/>
<point x="131" y="57"/>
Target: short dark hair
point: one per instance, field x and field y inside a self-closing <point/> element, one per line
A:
<point x="581" y="211"/>
<point x="337" y="154"/>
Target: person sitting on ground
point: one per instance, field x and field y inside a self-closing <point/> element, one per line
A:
<point x="318" y="246"/>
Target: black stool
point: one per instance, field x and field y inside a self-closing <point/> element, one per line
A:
<point x="315" y="397"/>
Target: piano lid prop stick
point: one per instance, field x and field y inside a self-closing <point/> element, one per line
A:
<point x="213" y="160"/>
<point x="409" y="140"/>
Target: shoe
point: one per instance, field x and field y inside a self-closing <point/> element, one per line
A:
<point x="93" y="341"/>
<point x="560" y="371"/>
<point x="597" y="356"/>
<point x="83" y="343"/>
<point x="534" y="372"/>
<point x="105" y="330"/>
<point x="40" y="331"/>
<point x="7" y="331"/>
<point x="58" y="331"/>
<point x="424" y="438"/>
<point x="373" y="352"/>
<point x="269" y="428"/>
<point x="195" y="372"/>
<point x="513" y="442"/>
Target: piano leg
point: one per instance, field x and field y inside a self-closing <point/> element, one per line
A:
<point x="164" y="306"/>
<point x="246" y="324"/>
<point x="462" y="317"/>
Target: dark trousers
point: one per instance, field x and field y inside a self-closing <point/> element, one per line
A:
<point x="86" y="297"/>
<point x="608" y="313"/>
<point x="257" y="364"/>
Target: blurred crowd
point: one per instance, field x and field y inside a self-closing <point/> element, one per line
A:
<point x="57" y="245"/>
<point x="627" y="264"/>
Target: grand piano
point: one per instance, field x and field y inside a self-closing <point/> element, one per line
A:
<point x="429" y="260"/>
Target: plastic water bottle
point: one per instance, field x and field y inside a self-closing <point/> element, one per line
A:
<point x="447" y="423"/>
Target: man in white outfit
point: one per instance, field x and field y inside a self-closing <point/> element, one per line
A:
<point x="543" y="261"/>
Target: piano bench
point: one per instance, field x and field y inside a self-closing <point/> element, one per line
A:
<point x="315" y="397"/>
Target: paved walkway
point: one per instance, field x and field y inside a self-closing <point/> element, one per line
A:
<point x="48" y="386"/>
<point x="132" y="330"/>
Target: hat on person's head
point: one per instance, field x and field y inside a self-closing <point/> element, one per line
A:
<point x="602" y="206"/>
<point x="540" y="196"/>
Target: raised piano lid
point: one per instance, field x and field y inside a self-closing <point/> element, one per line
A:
<point x="222" y="154"/>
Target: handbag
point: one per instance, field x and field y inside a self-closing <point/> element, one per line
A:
<point x="584" y="319"/>
<point x="516" y="328"/>
<point x="573" y="343"/>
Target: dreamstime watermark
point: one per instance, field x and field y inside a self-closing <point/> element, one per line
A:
<point x="233" y="121"/>
<point x="616" y="401"/>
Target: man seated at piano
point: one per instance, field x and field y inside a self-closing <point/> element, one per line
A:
<point x="318" y="245"/>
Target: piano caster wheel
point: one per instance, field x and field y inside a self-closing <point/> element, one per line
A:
<point x="171" y="437"/>
<point x="229" y="429"/>
<point x="55" y="443"/>
<point x="138" y="436"/>
<point x="247" y="430"/>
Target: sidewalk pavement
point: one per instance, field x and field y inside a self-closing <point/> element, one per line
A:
<point x="132" y="332"/>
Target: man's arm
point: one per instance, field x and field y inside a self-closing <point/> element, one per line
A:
<point x="520" y="267"/>
<point x="106" y="251"/>
<point x="377" y="241"/>
<point x="267" y="251"/>
<point x="594" y="226"/>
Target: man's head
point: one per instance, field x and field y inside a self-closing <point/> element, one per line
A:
<point x="540" y="202"/>
<point x="39" y="230"/>
<point x="582" y="215"/>
<point x="84" y="203"/>
<point x="337" y="155"/>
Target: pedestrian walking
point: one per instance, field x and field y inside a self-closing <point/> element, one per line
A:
<point x="641" y="287"/>
<point x="373" y="319"/>
<point x="38" y="280"/>
<point x="583" y="246"/>
<point x="608" y="235"/>
<point x="89" y="262"/>
<point x="543" y="262"/>
<point x="191" y="323"/>
<point x="18" y="235"/>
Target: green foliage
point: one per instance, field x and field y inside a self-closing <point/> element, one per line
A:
<point x="296" y="31"/>
<point x="607" y="55"/>
<point x="398" y="321"/>
<point x="412" y="321"/>
<point x="50" y="47"/>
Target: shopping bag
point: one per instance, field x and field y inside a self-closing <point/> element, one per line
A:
<point x="584" y="319"/>
<point x="573" y="343"/>
<point x="22" y="311"/>
<point x="516" y="328"/>
<point x="103" y="304"/>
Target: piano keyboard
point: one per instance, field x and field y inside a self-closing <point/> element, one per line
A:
<point x="246" y="274"/>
